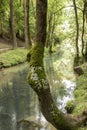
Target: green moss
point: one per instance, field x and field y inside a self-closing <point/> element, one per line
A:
<point x="13" y="57"/>
<point x="61" y="122"/>
<point x="82" y="81"/>
<point x="35" y="55"/>
<point x="81" y="94"/>
<point x="70" y="106"/>
<point x="36" y="76"/>
<point x="80" y="107"/>
<point x="83" y="128"/>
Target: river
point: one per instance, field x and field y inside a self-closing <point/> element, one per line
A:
<point x="18" y="101"/>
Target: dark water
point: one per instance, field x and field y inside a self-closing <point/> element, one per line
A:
<point x="18" y="101"/>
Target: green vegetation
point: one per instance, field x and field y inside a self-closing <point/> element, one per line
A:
<point x="81" y="94"/>
<point x="13" y="57"/>
<point x="63" y="22"/>
<point x="79" y="105"/>
<point x="70" y="106"/>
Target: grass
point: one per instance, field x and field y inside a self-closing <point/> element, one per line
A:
<point x="13" y="57"/>
<point x="79" y="104"/>
<point x="81" y="95"/>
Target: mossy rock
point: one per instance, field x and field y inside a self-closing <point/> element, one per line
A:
<point x="78" y="70"/>
<point x="70" y="106"/>
<point x="1" y="65"/>
<point x="80" y="108"/>
<point x="29" y="124"/>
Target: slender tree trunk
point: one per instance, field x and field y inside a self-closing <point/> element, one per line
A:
<point x="33" y="7"/>
<point x="83" y="27"/>
<point x="37" y="77"/>
<point x="0" y="19"/>
<point x="86" y="25"/>
<point x="77" y="28"/>
<point x="1" y="29"/>
<point x="12" y="23"/>
<point x="51" y="27"/>
<point x="49" y="31"/>
<point x="26" y="20"/>
<point x="52" y="31"/>
<point x="86" y="51"/>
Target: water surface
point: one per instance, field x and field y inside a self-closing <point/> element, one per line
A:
<point x="18" y="101"/>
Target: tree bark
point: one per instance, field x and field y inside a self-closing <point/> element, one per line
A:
<point x="37" y="77"/>
<point x="83" y="26"/>
<point x="77" y="28"/>
<point x="26" y="21"/>
<point x="83" y="33"/>
<point x="12" y="24"/>
<point x="49" y="31"/>
<point x="41" y="20"/>
<point x="85" y="5"/>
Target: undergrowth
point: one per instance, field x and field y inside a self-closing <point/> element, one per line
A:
<point x="13" y="57"/>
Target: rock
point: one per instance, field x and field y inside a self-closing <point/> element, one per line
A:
<point x="1" y="65"/>
<point x="85" y="112"/>
<point x="27" y="122"/>
<point x="78" y="70"/>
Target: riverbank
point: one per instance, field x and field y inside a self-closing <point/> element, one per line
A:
<point x="78" y="106"/>
<point x="13" y="57"/>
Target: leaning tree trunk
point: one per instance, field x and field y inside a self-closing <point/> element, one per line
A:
<point x="26" y="21"/>
<point x="12" y="24"/>
<point x="77" y="29"/>
<point x="37" y="77"/>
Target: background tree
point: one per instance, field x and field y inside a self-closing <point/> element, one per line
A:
<point x="86" y="26"/>
<point x="77" y="29"/>
<point x="19" y="19"/>
<point x="53" y="20"/>
<point x="12" y="24"/>
<point x="4" y="22"/>
<point x="27" y="27"/>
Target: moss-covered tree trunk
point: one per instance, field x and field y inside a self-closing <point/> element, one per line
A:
<point x="37" y="77"/>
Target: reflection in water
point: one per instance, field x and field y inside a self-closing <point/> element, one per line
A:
<point x="59" y="69"/>
<point x="18" y="101"/>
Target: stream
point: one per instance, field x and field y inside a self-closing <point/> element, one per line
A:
<point x="18" y="101"/>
